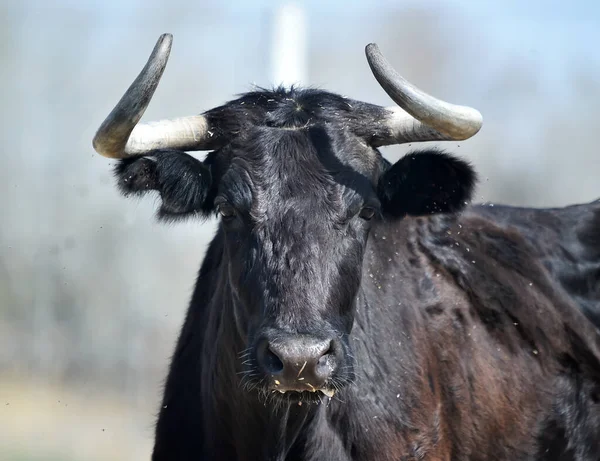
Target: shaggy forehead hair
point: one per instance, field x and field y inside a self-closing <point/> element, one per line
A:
<point x="301" y="110"/>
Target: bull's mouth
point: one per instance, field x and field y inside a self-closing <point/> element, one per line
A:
<point x="327" y="392"/>
<point x="301" y="388"/>
<point x="318" y="396"/>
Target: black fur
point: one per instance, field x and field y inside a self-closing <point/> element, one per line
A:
<point x="463" y="336"/>
<point x="182" y="182"/>
<point x="426" y="182"/>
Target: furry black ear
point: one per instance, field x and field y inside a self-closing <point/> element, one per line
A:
<point x="426" y="182"/>
<point x="182" y="182"/>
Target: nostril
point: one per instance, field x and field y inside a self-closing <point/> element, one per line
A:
<point x="272" y="362"/>
<point x="329" y="349"/>
<point x="326" y="362"/>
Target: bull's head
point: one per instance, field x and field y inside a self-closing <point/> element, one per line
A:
<point x="298" y="183"/>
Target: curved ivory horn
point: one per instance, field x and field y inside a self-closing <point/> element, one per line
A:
<point x="120" y="136"/>
<point x="420" y="116"/>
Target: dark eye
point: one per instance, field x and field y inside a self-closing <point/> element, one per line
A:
<point x="226" y="211"/>
<point x="367" y="213"/>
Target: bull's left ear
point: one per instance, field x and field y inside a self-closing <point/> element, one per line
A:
<point x="424" y="183"/>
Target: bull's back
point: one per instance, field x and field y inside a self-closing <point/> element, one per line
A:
<point x="566" y="241"/>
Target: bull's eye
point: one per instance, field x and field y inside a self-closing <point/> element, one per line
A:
<point x="226" y="211"/>
<point x="367" y="213"/>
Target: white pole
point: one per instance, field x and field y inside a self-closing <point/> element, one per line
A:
<point x="289" y="46"/>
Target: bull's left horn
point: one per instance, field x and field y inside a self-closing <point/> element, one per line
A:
<point x="420" y="116"/>
<point x="120" y="136"/>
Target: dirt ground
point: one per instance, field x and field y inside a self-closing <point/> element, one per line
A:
<point x="41" y="421"/>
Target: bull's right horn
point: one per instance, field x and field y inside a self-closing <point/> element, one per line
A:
<point x="120" y="136"/>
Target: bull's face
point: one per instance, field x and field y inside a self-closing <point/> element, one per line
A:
<point x="296" y="217"/>
<point x="297" y="182"/>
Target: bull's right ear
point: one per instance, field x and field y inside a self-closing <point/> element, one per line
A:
<point x="182" y="182"/>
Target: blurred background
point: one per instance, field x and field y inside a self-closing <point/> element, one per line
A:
<point x="93" y="290"/>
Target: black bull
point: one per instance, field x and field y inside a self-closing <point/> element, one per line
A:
<point x="351" y="309"/>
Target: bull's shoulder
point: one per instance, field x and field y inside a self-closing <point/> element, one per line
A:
<point x="486" y="288"/>
<point x="565" y="240"/>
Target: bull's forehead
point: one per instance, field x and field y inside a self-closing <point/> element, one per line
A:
<point x="290" y="171"/>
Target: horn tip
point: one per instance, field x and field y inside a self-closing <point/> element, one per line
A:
<point x="472" y="123"/>
<point x="477" y="121"/>
<point x="371" y="48"/>
<point x="164" y="42"/>
<point x="167" y="36"/>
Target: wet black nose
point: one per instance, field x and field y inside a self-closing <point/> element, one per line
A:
<point x="299" y="363"/>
